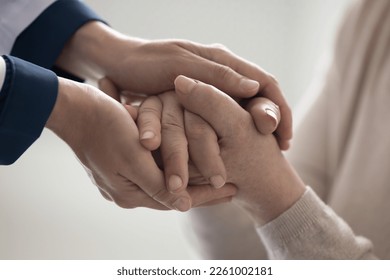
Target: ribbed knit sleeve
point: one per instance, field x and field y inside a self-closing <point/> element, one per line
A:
<point x="311" y="230"/>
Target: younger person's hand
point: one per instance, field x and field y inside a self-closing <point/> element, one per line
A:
<point x="150" y="67"/>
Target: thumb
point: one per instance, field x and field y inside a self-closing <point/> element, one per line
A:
<point x="213" y="105"/>
<point x="265" y="113"/>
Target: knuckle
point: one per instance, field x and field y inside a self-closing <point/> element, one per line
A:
<point x="218" y="51"/>
<point x="162" y="196"/>
<point x="218" y="47"/>
<point x="171" y="122"/>
<point x="177" y="153"/>
<point x="223" y="72"/>
<point x="273" y="79"/>
<point x="159" y="194"/>
<point x="150" y="108"/>
<point x="146" y="124"/>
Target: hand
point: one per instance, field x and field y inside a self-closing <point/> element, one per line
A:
<point x="201" y="193"/>
<point x="141" y="66"/>
<point x="105" y="139"/>
<point x="161" y="117"/>
<point x="161" y="121"/>
<point x="267" y="185"/>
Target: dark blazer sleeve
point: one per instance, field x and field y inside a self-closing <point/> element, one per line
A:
<point x="30" y="90"/>
<point x="27" y="98"/>
<point x="43" y="40"/>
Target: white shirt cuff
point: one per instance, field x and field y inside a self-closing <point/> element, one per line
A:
<point x="2" y="72"/>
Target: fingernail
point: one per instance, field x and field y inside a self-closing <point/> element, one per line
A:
<point x="249" y="85"/>
<point x="147" y="135"/>
<point x="182" y="204"/>
<point x="175" y="183"/>
<point x="273" y="115"/>
<point x="184" y="84"/>
<point x="217" y="181"/>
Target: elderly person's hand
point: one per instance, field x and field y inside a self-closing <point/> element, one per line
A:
<point x="267" y="185"/>
<point x="163" y="116"/>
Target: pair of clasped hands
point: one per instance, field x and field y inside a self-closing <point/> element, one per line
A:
<point x="207" y="129"/>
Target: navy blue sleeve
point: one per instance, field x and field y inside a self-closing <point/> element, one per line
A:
<point x="43" y="40"/>
<point x="27" y="98"/>
<point x="29" y="91"/>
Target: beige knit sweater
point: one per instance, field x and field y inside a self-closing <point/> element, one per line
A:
<point x="341" y="149"/>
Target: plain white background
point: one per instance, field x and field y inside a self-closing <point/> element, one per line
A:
<point x="48" y="207"/>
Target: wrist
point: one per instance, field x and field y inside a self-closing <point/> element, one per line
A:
<point x="277" y="193"/>
<point x="67" y="118"/>
<point x="94" y="50"/>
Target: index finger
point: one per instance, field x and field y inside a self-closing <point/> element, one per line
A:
<point x="218" y="109"/>
<point x="174" y="145"/>
<point x="146" y="174"/>
<point x="140" y="168"/>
